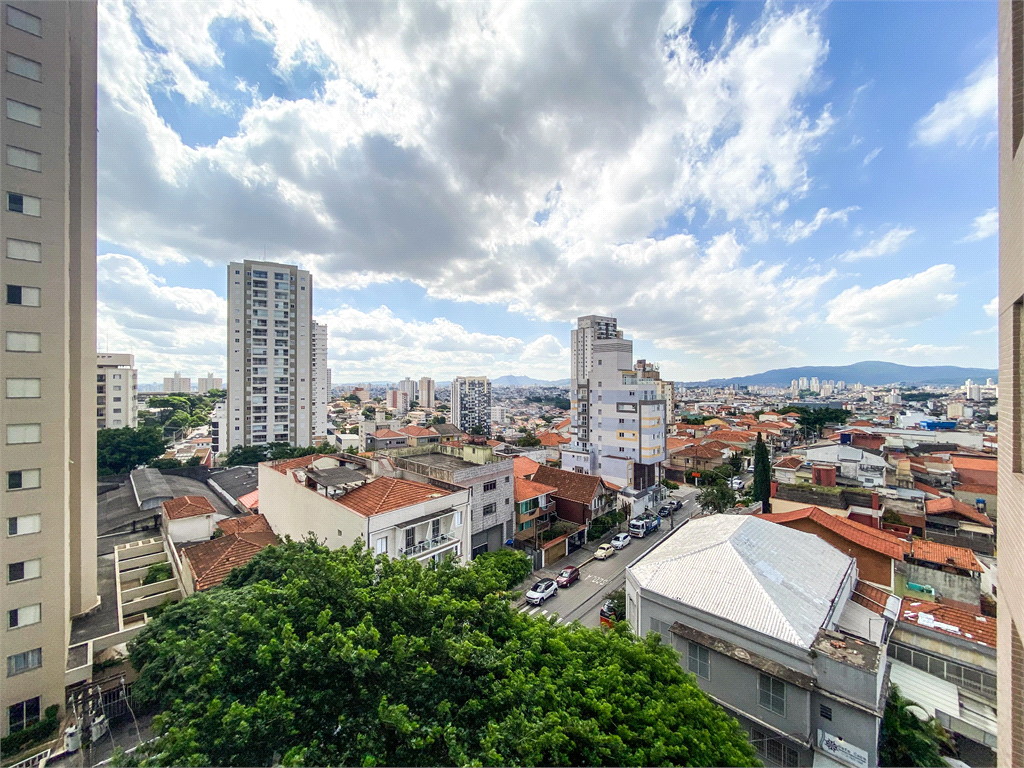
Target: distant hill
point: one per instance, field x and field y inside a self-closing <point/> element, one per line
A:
<point x="526" y="381"/>
<point x="870" y="373"/>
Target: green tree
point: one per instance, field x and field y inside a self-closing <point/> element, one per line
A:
<point x="762" y="474"/>
<point x="369" y="413"/>
<point x="438" y="420"/>
<point x="216" y="394"/>
<point x="245" y="454"/>
<point x="122" y="450"/>
<point x="813" y="419"/>
<point x="670" y="485"/>
<point x="529" y="440"/>
<point x="910" y="738"/>
<point x="717" y="497"/>
<point x="339" y="658"/>
<point x="164" y="464"/>
<point x="477" y="430"/>
<point x="736" y="462"/>
<point x="352" y="450"/>
<point x="179" y="420"/>
<point x="508" y="566"/>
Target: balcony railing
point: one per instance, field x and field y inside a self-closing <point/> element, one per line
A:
<point x="427" y="545"/>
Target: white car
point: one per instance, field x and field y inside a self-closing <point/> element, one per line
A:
<point x="604" y="552"/>
<point x="541" y="591"/>
<point x="621" y="540"/>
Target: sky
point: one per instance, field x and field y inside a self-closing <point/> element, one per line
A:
<point x="743" y="186"/>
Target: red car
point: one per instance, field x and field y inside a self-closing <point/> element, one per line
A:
<point x="568" y="576"/>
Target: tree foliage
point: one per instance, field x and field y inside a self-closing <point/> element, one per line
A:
<point x="907" y="739"/>
<point x="762" y="474"/>
<point x="122" y="450"/>
<point x="254" y="454"/>
<point x="529" y="440"/>
<point x="816" y="418"/>
<point x="508" y="566"/>
<point x="340" y="658"/>
<point x="717" y="497"/>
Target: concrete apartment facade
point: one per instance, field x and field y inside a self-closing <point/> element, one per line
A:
<point x="1011" y="385"/>
<point x="177" y="384"/>
<point x="618" y="423"/>
<point x="270" y="350"/>
<point x="48" y="451"/>
<point x="321" y="388"/>
<point x="426" y="392"/>
<point x="117" y="389"/>
<point x="208" y="382"/>
<point x="471" y="403"/>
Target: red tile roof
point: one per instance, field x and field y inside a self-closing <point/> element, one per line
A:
<point x="871" y="597"/>
<point x="415" y="431"/>
<point x="988" y="490"/>
<point x="976" y="463"/>
<point x="283" y="465"/>
<point x="571" y="486"/>
<point x="387" y="493"/>
<point x="552" y="439"/>
<point x="187" y="506"/>
<point x="211" y="561"/>
<point x="699" y="452"/>
<point x="927" y="488"/>
<point x="387" y="433"/>
<point x="950" y="506"/>
<point x="251" y="500"/>
<point x="527" y="489"/>
<point x="249" y="523"/>
<point x="941" y="554"/>
<point x="790" y="462"/>
<point x="563" y="424"/>
<point x="949" y="621"/>
<point x="523" y="467"/>
<point x="883" y="542"/>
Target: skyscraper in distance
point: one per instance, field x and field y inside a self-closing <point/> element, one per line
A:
<point x="321" y="387"/>
<point x="426" y="392"/>
<point x="471" y="403"/>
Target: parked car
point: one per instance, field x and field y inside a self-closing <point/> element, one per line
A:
<point x="608" y="614"/>
<point x="736" y="483"/>
<point x="568" y="576"/>
<point x="541" y="591"/>
<point x="620" y="540"/>
<point x="665" y="511"/>
<point x="604" y="551"/>
<point x="677" y="505"/>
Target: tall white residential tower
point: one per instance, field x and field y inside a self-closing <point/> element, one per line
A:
<point x="321" y="388"/>
<point x="117" y="390"/>
<point x="471" y="403"/>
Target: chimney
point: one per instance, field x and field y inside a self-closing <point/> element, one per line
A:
<point x="775" y="488"/>
<point x="875" y="504"/>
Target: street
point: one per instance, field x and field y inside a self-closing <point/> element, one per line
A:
<point x="583" y="600"/>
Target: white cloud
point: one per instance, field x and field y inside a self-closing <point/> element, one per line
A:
<point x="799" y="230"/>
<point x="871" y="155"/>
<point x="964" y="112"/>
<point x="992" y="307"/>
<point x="985" y="225"/>
<point x="885" y="245"/>
<point x="869" y="313"/>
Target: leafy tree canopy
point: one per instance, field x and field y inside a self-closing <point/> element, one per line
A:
<point x="254" y="454"/>
<point x="815" y="418"/>
<point x="340" y="658"/>
<point x="529" y="440"/>
<point x="122" y="450"/>
<point x="165" y="464"/>
<point x="717" y="497"/>
<point x="907" y="739"/>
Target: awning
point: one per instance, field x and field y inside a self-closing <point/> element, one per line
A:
<point x="929" y="692"/>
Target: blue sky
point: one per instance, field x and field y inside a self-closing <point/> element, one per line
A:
<point x="744" y="186"/>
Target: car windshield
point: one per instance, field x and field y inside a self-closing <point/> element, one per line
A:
<point x="538" y="586"/>
<point x="566" y="572"/>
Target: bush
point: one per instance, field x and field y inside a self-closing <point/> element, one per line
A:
<point x="601" y="525"/>
<point x="670" y="485"/>
<point x="158" y="572"/>
<point x="33" y="734"/>
<point x="508" y="566"/>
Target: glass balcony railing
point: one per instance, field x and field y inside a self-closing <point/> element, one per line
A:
<point x="427" y="545"/>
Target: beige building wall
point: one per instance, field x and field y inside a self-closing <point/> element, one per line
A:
<point x="47" y="344"/>
<point x="117" y="390"/>
<point x="1011" y="402"/>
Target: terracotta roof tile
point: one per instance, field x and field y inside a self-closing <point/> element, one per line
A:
<point x="949" y="621"/>
<point x="527" y="489"/>
<point x="988" y="490"/>
<point x="552" y="439"/>
<point x="251" y="500"/>
<point x="927" y="488"/>
<point x="247" y="524"/>
<point x="211" y="561"/>
<point x="789" y="462"/>
<point x="415" y="431"/>
<point x="883" y="542"/>
<point x="387" y="493"/>
<point x="284" y="465"/>
<point x="941" y="554"/>
<point x="950" y="506"/>
<point x="523" y="467"/>
<point x="869" y="596"/>
<point x="571" y="486"/>
<point x="699" y="452"/>
<point x="976" y="463"/>
<point x="187" y="506"/>
<point x="387" y="433"/>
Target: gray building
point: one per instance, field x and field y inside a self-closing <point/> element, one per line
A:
<point x="777" y="629"/>
<point x="471" y="403"/>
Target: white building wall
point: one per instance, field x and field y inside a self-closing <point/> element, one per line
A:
<point x="117" y="388"/>
<point x="320" y="389"/>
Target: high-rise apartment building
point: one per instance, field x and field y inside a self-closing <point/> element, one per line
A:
<point x="48" y="412"/>
<point x="117" y="390"/>
<point x="815" y="385"/>
<point x="664" y="389"/>
<point x="408" y="386"/>
<point x="321" y="387"/>
<point x="1010" y="543"/>
<point x="178" y="384"/>
<point x="804" y="383"/>
<point x="426" y="392"/>
<point x="208" y="382"/>
<point x="471" y="403"/>
<point x="617" y="421"/>
<point x="270" y="351"/>
<point x="397" y="400"/>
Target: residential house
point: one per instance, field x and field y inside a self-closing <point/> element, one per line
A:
<point x="854" y="464"/>
<point x="188" y="518"/>
<point x="386" y="439"/>
<point x="208" y="563"/>
<point x="417" y="436"/>
<point x="694" y="458"/>
<point x="769" y="621"/>
<point x="579" y="498"/>
<point x="953" y="522"/>
<point x="791" y="469"/>
<point x="952" y="574"/>
<point x="553" y="442"/>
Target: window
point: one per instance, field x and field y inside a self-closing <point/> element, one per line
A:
<point x="22" y="479"/>
<point x="410" y="538"/>
<point x="18" y="434"/>
<point x="825" y="711"/>
<point x="435" y="529"/>
<point x="773" y="750"/>
<point x="23" y="158"/>
<point x="17" y="65"/>
<point x="380" y="546"/>
<point x="17" y="388"/>
<point x="490" y="485"/>
<point x="25" y="570"/>
<point x="490" y="509"/>
<point x="24" y="295"/>
<point x="24" y="524"/>
<point x="458" y="517"/>
<point x="24" y="250"/>
<point x="20" y="341"/>
<point x="24" y="713"/>
<point x="23" y="662"/>
<point x="698" y="660"/>
<point x="22" y="617"/>
<point x="771" y="694"/>
<point x="23" y="204"/>
<point x="26" y="22"/>
<point x="24" y="113"/>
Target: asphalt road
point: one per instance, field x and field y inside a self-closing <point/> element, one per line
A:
<point x="583" y="600"/>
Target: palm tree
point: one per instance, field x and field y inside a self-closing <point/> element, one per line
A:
<point x="910" y="737"/>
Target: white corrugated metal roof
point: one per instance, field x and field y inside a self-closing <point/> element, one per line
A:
<point x="767" y="577"/>
<point x="929" y="692"/>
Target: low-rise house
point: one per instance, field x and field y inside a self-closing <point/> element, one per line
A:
<point x="953" y="574"/>
<point x="770" y="621"/>
<point x="340" y="504"/>
<point x="693" y="458"/>
<point x="420" y="435"/>
<point x="791" y="469"/>
<point x="854" y="464"/>
<point x="207" y="564"/>
<point x="951" y="521"/>
<point x="385" y="439"/>
<point x="188" y="518"/>
<point x="553" y="442"/>
<point x="579" y="497"/>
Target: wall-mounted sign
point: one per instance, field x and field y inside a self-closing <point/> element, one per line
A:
<point x="841" y="750"/>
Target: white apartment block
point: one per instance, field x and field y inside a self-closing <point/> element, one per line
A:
<point x="471" y="403"/>
<point x="426" y="392"/>
<point x="117" y="389"/>
<point x="499" y="414"/>
<point x="618" y="422"/>
<point x="177" y="384"/>
<point x="408" y="386"/>
<point x="270" y="369"/>
<point x="397" y="400"/>
<point x="209" y="382"/>
<point x="321" y="387"/>
<point x="48" y="317"/>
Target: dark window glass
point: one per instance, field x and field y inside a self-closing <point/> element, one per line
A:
<point x="15" y="203"/>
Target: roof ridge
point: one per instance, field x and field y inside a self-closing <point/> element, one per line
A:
<point x="775" y="606"/>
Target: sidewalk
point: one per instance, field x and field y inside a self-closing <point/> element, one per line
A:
<point x="579" y="558"/>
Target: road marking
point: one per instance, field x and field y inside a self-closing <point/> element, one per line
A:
<point x="543" y="613"/>
<point x="534" y="611"/>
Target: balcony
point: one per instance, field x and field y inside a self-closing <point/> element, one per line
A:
<point x="529" y="533"/>
<point x="440" y="540"/>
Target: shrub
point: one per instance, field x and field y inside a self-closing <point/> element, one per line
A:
<point x="670" y="485"/>
<point x="508" y="566"/>
<point x="158" y="572"/>
<point x="601" y="525"/>
<point x="33" y="734"/>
